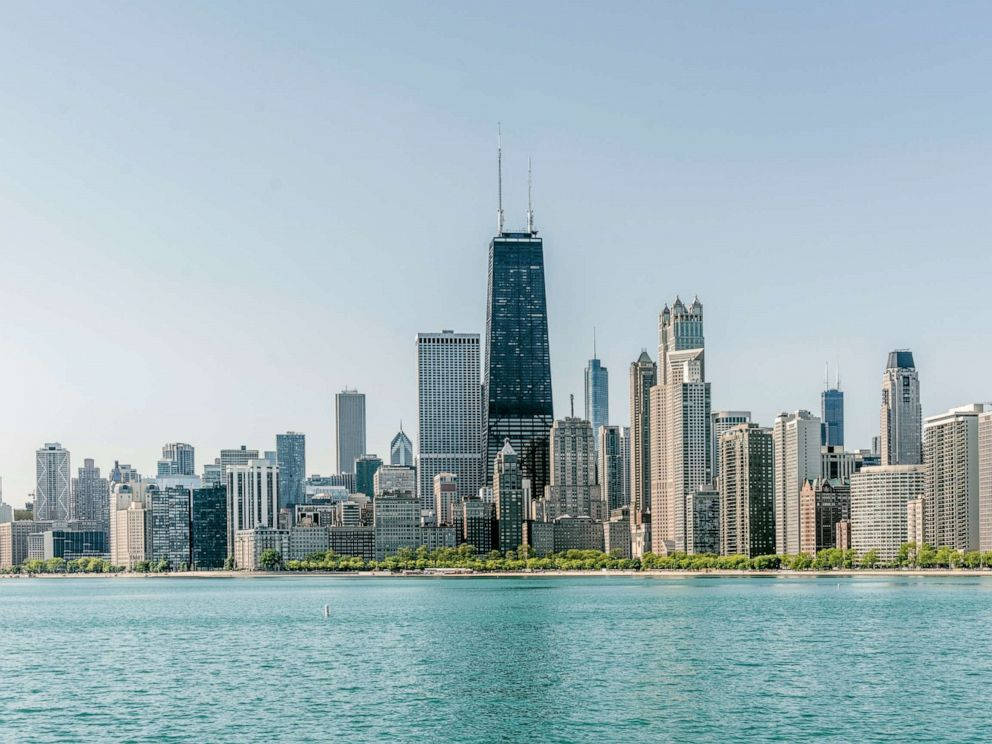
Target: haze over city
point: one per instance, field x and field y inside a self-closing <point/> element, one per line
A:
<point x="216" y="217"/>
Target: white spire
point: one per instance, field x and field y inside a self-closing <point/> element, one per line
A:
<point x="530" y="204"/>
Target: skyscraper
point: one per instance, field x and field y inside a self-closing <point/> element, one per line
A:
<point x="52" y="484"/>
<point x="208" y="527"/>
<point x="365" y="470"/>
<point x="508" y="494"/>
<point x="611" y="466"/>
<point x="518" y="404"/>
<point x="597" y="382"/>
<point x="985" y="481"/>
<point x="252" y="498"/>
<point x="680" y="427"/>
<point x="401" y="449"/>
<point x="449" y="404"/>
<point x="879" y="496"/>
<point x="720" y="423"/>
<point x="950" y="493"/>
<point x="181" y="458"/>
<point x="797" y="459"/>
<point x="349" y="422"/>
<point x="240" y="456"/>
<point x="832" y="416"/>
<point x="747" y="489"/>
<point x="169" y="525"/>
<point x="901" y="417"/>
<point x="90" y="496"/>
<point x="573" y="490"/>
<point x="643" y="376"/>
<point x="291" y="456"/>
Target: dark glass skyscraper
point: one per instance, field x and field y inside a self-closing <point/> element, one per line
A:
<point x="208" y="527"/>
<point x="832" y="415"/>
<point x="292" y="459"/>
<point x="517" y="381"/>
<point x="597" y="395"/>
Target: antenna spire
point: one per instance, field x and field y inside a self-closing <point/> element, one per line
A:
<point x="571" y="401"/>
<point x="826" y="375"/>
<point x="499" y="176"/>
<point x="838" y="373"/>
<point x="594" y="342"/>
<point x="530" y="204"/>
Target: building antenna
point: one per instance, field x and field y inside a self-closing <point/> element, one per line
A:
<point x="499" y="177"/>
<point x="571" y="401"/>
<point x="530" y="204"/>
<point x="826" y="375"/>
<point x="838" y="373"/>
<point x="594" y="343"/>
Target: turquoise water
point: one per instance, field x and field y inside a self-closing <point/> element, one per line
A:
<point x="496" y="660"/>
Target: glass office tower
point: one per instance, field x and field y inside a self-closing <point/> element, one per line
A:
<point x="832" y="413"/>
<point x="517" y="382"/>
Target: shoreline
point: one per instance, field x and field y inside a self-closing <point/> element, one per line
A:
<point x="649" y="574"/>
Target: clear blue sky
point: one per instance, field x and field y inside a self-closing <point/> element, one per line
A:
<point x="215" y="215"/>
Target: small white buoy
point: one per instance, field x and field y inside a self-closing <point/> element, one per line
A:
<point x="327" y="610"/>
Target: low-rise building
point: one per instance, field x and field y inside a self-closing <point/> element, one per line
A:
<point x="14" y="540"/>
<point x="822" y="504"/>
<point x="356" y="541"/>
<point x="616" y="533"/>
<point x="566" y="533"/>
<point x="478" y="524"/>
<point x="250" y="544"/>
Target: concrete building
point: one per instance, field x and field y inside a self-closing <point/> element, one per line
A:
<point x="680" y="427"/>
<point x="566" y="533"/>
<point x="401" y="449"/>
<point x="572" y="490"/>
<point x="397" y="478"/>
<point x="181" y="458"/>
<point x="822" y="504"/>
<point x="249" y="545"/>
<point x="797" y="459"/>
<point x="901" y="416"/>
<point x="508" y="494"/>
<point x="747" y="486"/>
<point x="291" y="457"/>
<point x="357" y="541"/>
<point x="90" y="496"/>
<point x="449" y="404"/>
<point x="843" y="534"/>
<point x="878" y="507"/>
<point x="447" y="507"/>
<point x="643" y="377"/>
<point x="950" y="454"/>
<point x="836" y="463"/>
<point x="914" y="522"/>
<point x="985" y="481"/>
<point x="396" y="516"/>
<point x="130" y="538"/>
<point x="720" y="423"/>
<point x="52" y="483"/>
<point x="366" y="467"/>
<point x="617" y="533"/>
<point x="252" y="497"/>
<point x="349" y="433"/>
<point x="705" y="521"/>
<point x="240" y="456"/>
<point x="72" y="544"/>
<point x="611" y="470"/>
<point x="14" y="540"/>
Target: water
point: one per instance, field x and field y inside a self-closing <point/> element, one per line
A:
<point x="496" y="660"/>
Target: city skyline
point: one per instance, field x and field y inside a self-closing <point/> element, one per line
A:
<point x="92" y="202"/>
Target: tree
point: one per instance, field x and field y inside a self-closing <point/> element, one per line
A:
<point x="870" y="559"/>
<point x="270" y="559"/>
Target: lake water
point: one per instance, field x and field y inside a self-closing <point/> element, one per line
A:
<point x="496" y="660"/>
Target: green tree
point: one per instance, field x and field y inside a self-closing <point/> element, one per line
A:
<point x="270" y="559"/>
<point x="870" y="559"/>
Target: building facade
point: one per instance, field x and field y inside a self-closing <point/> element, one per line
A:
<point x="169" y="526"/>
<point x="208" y="527"/>
<point x="706" y="521"/>
<point x="252" y="497"/>
<point x="797" y="459"/>
<point x="985" y="481"/>
<point x="879" y="496"/>
<point x="720" y="423"/>
<point x="597" y="393"/>
<point x="611" y="469"/>
<point x="446" y="506"/>
<point x="572" y="490"/>
<point x="401" y="449"/>
<point x="823" y="503"/>
<point x="349" y="429"/>
<point x="832" y="417"/>
<point x="90" y="496"/>
<point x="508" y="495"/>
<point x="52" y="483"/>
<point x="449" y="403"/>
<point x="181" y="458"/>
<point x="643" y="377"/>
<point x="291" y="456"/>
<point x="399" y="478"/>
<point x="747" y="491"/>
<point x="901" y="416"/>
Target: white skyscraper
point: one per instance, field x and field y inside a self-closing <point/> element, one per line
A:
<point x="449" y="394"/>
<point x="252" y="498"/>
<point x="680" y="427"/>
<point x="796" y="439"/>
<point x="901" y="417"/>
<point x="879" y="498"/>
<point x="951" y="492"/>
<point x="401" y="449"/>
<point x="985" y="481"/>
<point x="53" y="483"/>
<point x="721" y="422"/>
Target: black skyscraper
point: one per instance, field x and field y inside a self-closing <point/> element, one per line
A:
<point x="517" y="393"/>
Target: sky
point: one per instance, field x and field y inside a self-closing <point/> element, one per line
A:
<point x="213" y="216"/>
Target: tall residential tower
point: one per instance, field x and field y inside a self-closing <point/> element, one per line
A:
<point x="349" y="422"/>
<point x="901" y="419"/>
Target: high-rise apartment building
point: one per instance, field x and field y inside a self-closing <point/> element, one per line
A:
<point x="612" y="466"/>
<point x="401" y="449"/>
<point x="477" y="524"/>
<point x="747" y="491"/>
<point x="517" y="403"/>
<point x="180" y="457"/>
<point x="90" y="496"/>
<point x="680" y="427"/>
<point x="449" y="400"/>
<point x="397" y="479"/>
<point x="901" y="416"/>
<point x="349" y="423"/>
<point x="240" y="456"/>
<point x="208" y="527"/>
<point x="879" y="496"/>
<point x="705" y="521"/>
<point x="447" y="505"/>
<point x="951" y="490"/>
<point x="797" y="459"/>
<point x="130" y="539"/>
<point x="985" y="481"/>
<point x="52" y="484"/>
<point x="366" y="467"/>
<point x="720" y="423"/>
<point x="169" y="526"/>
<point x="573" y="490"/>
<point x="291" y="456"/>
<point x="643" y="377"/>
<point x="252" y="498"/>
<point x="508" y="493"/>
<point x="597" y="389"/>
<point x="823" y="504"/>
